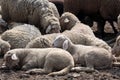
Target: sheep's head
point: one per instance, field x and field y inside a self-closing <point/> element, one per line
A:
<point x="3" y="26"/>
<point x="4" y="47"/>
<point x="61" y="41"/>
<point x="116" y="47"/>
<point x="68" y="20"/>
<point x="54" y="26"/>
<point x="10" y="60"/>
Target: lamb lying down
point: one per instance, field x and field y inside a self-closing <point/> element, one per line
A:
<point x="90" y="56"/>
<point x="30" y="59"/>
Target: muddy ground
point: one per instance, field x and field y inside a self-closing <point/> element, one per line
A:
<point x="107" y="74"/>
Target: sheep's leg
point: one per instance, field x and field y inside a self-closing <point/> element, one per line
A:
<point x="37" y="71"/>
<point x="28" y="65"/>
<point x="111" y="23"/>
<point x="47" y="69"/>
<point x="100" y="32"/>
<point x="89" y="59"/>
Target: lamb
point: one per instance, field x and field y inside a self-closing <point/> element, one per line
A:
<point x="4" y="47"/>
<point x="19" y="36"/>
<point x="33" y="60"/>
<point x="75" y="35"/>
<point x="69" y="20"/>
<point x="35" y="12"/>
<point x="90" y="56"/>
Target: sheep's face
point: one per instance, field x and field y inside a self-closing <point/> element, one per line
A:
<point x="10" y="61"/>
<point x="68" y="20"/>
<point x="59" y="40"/>
<point x="53" y="28"/>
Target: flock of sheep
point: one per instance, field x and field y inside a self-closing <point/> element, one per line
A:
<point x="35" y="38"/>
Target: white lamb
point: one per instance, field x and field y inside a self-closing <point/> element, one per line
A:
<point x="89" y="56"/>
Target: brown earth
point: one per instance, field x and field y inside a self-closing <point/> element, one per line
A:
<point x="107" y="74"/>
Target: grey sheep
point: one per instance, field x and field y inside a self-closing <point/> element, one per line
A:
<point x="33" y="60"/>
<point x="90" y="56"/>
<point x="20" y="35"/>
<point x="36" y="12"/>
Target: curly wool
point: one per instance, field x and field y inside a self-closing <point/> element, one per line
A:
<point x="19" y="36"/>
<point x="29" y="11"/>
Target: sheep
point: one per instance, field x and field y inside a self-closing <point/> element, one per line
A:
<point x="20" y="35"/>
<point x="3" y="26"/>
<point x="32" y="60"/>
<point x="75" y="35"/>
<point x="69" y="20"/>
<point x="4" y="47"/>
<point x="35" y="12"/>
<point x="90" y="56"/>
<point x="43" y="41"/>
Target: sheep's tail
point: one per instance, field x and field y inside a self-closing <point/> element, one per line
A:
<point x="62" y="72"/>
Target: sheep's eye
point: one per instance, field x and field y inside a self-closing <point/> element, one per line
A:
<point x="8" y="53"/>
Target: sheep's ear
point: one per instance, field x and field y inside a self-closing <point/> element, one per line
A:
<point x="48" y="28"/>
<point x="66" y="20"/>
<point x="65" y="45"/>
<point x="14" y="57"/>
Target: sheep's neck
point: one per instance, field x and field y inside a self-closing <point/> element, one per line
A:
<point x="71" y="49"/>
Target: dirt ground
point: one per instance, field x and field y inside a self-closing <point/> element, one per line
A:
<point x="107" y="74"/>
